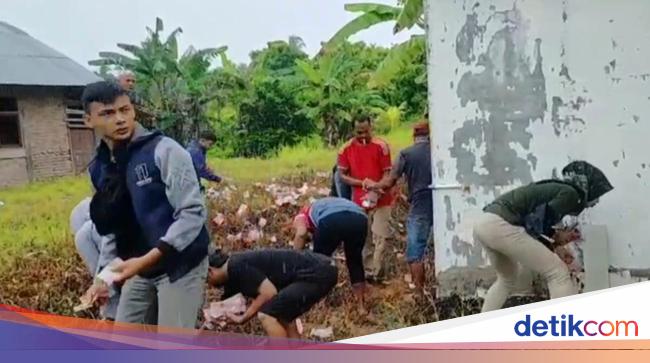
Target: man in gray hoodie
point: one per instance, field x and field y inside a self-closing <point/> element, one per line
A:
<point x="149" y="203"/>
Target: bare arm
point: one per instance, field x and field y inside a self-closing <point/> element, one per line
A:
<point x="266" y="292"/>
<point x="135" y="265"/>
<point x="387" y="181"/>
<point x="347" y="179"/>
<point x="300" y="236"/>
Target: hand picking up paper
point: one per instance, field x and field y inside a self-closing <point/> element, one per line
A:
<point x="99" y="291"/>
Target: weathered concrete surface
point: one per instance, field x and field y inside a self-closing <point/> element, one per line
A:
<point x="518" y="89"/>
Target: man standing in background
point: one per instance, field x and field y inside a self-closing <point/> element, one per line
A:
<point x="364" y="161"/>
<point x="414" y="163"/>
<point x="198" y="150"/>
<point x="127" y="81"/>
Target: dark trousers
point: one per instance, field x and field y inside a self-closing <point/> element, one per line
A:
<point x="349" y="228"/>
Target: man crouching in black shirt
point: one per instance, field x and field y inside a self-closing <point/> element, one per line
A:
<point x="284" y="284"/>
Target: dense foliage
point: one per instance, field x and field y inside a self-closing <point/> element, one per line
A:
<point x="282" y="95"/>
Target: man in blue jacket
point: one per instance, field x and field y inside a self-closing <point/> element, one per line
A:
<point x="149" y="203"/>
<point x="198" y="150"/>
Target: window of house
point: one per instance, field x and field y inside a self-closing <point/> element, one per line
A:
<point x="9" y="123"/>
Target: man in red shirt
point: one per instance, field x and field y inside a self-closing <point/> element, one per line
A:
<point x="363" y="162"/>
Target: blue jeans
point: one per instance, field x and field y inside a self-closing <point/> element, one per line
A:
<point x="418" y="230"/>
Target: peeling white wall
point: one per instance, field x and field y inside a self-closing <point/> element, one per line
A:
<point x="603" y="118"/>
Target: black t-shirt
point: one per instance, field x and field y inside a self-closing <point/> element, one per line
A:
<point x="247" y="270"/>
<point x="415" y="163"/>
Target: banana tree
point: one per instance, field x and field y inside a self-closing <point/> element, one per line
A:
<point x="172" y="85"/>
<point x="331" y="96"/>
<point x="406" y="15"/>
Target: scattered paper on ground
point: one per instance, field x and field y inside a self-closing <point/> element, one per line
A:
<point x="322" y="333"/>
<point x="219" y="219"/>
<point x="216" y="313"/>
<point x="252" y="236"/>
<point x="242" y="212"/>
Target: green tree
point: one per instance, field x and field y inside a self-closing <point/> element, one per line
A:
<point x="408" y="14"/>
<point x="173" y="86"/>
<point x="269" y="119"/>
<point x="258" y="111"/>
<point x="278" y="58"/>
<point x="334" y="91"/>
<point x="232" y="88"/>
<point x="408" y="88"/>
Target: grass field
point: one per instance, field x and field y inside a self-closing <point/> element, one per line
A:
<point x="40" y="269"/>
<point x="36" y="215"/>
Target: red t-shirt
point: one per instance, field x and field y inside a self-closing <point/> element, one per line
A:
<point x="368" y="161"/>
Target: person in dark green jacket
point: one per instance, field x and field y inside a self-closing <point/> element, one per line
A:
<point x="519" y="228"/>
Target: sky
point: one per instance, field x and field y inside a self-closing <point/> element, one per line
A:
<point x="81" y="29"/>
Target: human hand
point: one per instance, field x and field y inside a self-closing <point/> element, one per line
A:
<point x="237" y="319"/>
<point x="127" y="269"/>
<point x="97" y="293"/>
<point x="369" y="184"/>
<point x="564" y="236"/>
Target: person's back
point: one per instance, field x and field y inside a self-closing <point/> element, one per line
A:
<point x="280" y="266"/>
<point x="516" y="204"/>
<point x="283" y="283"/>
<point x="324" y="207"/>
<point x="283" y="267"/>
<point x="417" y="169"/>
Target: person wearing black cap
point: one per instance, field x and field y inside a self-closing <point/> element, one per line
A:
<point x="283" y="283"/>
<point x="519" y="227"/>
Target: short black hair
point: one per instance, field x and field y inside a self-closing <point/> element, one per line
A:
<point x="217" y="259"/>
<point x="208" y="135"/>
<point x="363" y="118"/>
<point x="103" y="92"/>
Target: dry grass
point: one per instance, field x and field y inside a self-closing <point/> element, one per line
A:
<point x="51" y="279"/>
<point x="40" y="270"/>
